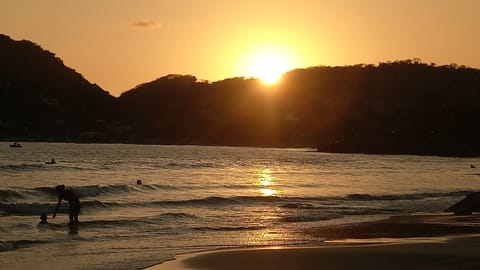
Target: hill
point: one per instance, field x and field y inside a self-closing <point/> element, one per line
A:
<point x="42" y="99"/>
<point x="400" y="107"/>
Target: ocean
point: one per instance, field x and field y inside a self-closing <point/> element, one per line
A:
<point x="195" y="198"/>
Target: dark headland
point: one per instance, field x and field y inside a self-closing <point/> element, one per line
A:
<point x="398" y="107"/>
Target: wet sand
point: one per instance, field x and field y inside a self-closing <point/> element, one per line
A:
<point x="403" y="242"/>
<point x="421" y="225"/>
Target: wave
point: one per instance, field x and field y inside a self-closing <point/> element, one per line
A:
<point x="7" y="195"/>
<point x="328" y="213"/>
<point x="298" y="206"/>
<point x="91" y="191"/>
<point x="30" y="167"/>
<point x="413" y="196"/>
<point x="22" y="167"/>
<point x="208" y="201"/>
<point x="237" y="186"/>
<point x="97" y="190"/>
<point x="194" y="165"/>
<point x="16" y="244"/>
<point x="227" y="201"/>
<point x="129" y="221"/>
<point x="10" y="205"/>
<point x="35" y="208"/>
<point x="358" y="211"/>
<point x="167" y="219"/>
<point x="121" y="188"/>
<point x="305" y="202"/>
<point x="228" y="228"/>
<point x="14" y="194"/>
<point x="27" y="208"/>
<point x="310" y="217"/>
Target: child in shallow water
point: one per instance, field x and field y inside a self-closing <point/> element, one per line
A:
<point x="43" y="219"/>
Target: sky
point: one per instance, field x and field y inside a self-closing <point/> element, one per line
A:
<point x="119" y="44"/>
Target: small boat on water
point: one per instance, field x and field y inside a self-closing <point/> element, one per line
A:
<point x="15" y="144"/>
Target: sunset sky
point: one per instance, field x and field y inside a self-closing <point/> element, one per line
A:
<point x="119" y="44"/>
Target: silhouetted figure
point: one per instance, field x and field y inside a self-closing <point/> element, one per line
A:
<point x="51" y="162"/>
<point x="139" y="182"/>
<point x="43" y="219"/>
<point x="73" y="202"/>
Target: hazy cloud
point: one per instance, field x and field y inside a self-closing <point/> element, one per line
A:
<point x="146" y="24"/>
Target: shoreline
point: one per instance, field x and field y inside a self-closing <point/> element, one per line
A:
<point x="308" y="148"/>
<point x="454" y="252"/>
<point x="422" y="241"/>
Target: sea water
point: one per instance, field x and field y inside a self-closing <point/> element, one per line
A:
<point x="196" y="198"/>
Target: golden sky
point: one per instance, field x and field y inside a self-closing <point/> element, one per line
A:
<point x="119" y="44"/>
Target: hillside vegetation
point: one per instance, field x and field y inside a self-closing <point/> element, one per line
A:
<point x="400" y="107"/>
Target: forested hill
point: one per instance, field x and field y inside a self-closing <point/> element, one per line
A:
<point x="42" y="99"/>
<point x="401" y="107"/>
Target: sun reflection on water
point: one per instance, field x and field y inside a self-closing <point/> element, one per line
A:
<point x="266" y="181"/>
<point x="267" y="191"/>
<point x="272" y="238"/>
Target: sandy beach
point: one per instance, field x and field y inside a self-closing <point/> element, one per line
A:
<point x="440" y="241"/>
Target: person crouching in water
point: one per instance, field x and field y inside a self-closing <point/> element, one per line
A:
<point x="73" y="202"/>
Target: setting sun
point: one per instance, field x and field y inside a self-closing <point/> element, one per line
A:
<point x="268" y="68"/>
<point x="268" y="64"/>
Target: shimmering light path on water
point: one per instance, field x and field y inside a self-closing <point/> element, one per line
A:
<point x="201" y="198"/>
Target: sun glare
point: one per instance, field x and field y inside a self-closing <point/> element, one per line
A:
<point x="268" y="68"/>
<point x="268" y="64"/>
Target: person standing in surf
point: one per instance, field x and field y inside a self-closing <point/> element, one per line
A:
<point x="73" y="202"/>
